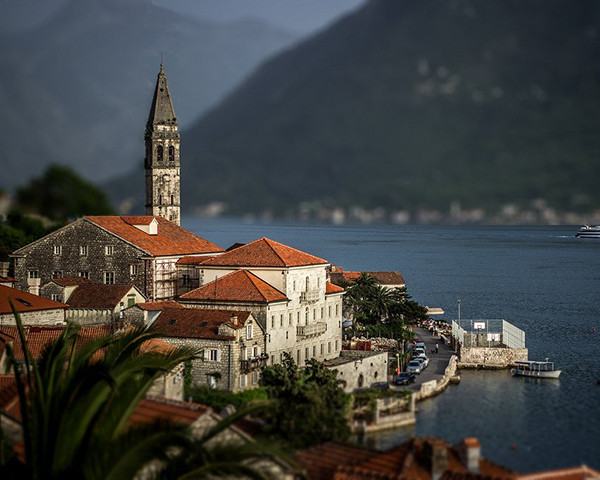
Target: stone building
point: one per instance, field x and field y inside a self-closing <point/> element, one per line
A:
<point x="162" y="155"/>
<point x="89" y="302"/>
<point x="232" y="344"/>
<point x="285" y="289"/>
<point x="389" y="280"/>
<point x="136" y="250"/>
<point x="33" y="310"/>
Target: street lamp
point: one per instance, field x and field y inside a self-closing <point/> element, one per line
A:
<point x="458" y="301"/>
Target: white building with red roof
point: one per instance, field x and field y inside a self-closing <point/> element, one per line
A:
<point x="285" y="289"/>
<point x="138" y="250"/>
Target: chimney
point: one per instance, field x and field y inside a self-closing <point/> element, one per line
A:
<point x="438" y="454"/>
<point x="470" y="453"/>
<point x="234" y="320"/>
<point x="4" y="266"/>
<point x="33" y="285"/>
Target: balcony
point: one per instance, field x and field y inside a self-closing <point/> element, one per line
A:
<point x="254" y="363"/>
<point x="311" y="330"/>
<point x="310" y="296"/>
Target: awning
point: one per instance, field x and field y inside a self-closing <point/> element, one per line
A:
<point x="434" y="311"/>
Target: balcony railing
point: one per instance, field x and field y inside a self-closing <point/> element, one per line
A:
<point x="311" y="330"/>
<point x="254" y="363"/>
<point x="310" y="296"/>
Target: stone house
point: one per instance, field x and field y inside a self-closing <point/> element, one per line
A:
<point x="34" y="310"/>
<point x="136" y="250"/>
<point x="231" y="342"/>
<point x="285" y="289"/>
<point x="359" y="369"/>
<point x="338" y="276"/>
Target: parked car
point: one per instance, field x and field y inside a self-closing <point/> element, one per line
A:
<point x="414" y="366"/>
<point x="423" y="358"/>
<point x="419" y="344"/>
<point x="404" y="378"/>
<point x="380" y="386"/>
<point x="418" y="351"/>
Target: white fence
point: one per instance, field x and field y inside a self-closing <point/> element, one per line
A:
<point x="488" y="333"/>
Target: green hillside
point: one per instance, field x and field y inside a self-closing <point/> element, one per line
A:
<point x="411" y="104"/>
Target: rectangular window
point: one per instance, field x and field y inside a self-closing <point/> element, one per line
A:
<point x="55" y="297"/>
<point x="281" y="320"/>
<point x="255" y="377"/>
<point x="133" y="269"/>
<point x="336" y="345"/>
<point x="211" y="381"/>
<point x="336" y="310"/>
<point x="290" y="319"/>
<point x="314" y="351"/>
<point x="249" y="332"/>
<point x="57" y="274"/>
<point x="294" y="285"/>
<point x="286" y="334"/>
<point x="255" y="352"/>
<point x="322" y="312"/>
<point x="186" y="280"/>
<point x="272" y="321"/>
<point x="108" y="250"/>
<point x="83" y="250"/>
<point x="33" y="274"/>
<point x="298" y="357"/>
<point x="328" y="347"/>
<point x="322" y="348"/>
<point x="213" y="355"/>
<point x="84" y="274"/>
<point x="109" y="278"/>
<point x="243" y="380"/>
<point x="57" y="249"/>
<point x="329" y="311"/>
<point x="306" y="354"/>
<point x="298" y="318"/>
<point x="314" y="313"/>
<point x="130" y="300"/>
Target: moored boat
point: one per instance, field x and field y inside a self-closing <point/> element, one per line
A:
<point x="588" y="232"/>
<point x="535" y="369"/>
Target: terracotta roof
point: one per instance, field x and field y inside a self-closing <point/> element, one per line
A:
<point x="156" y="345"/>
<point x="409" y="461"/>
<point x="95" y="295"/>
<point x="265" y="253"/>
<point x="171" y="239"/>
<point x="197" y="322"/>
<point x="194" y="260"/>
<point x="331" y="288"/>
<point x="153" y="408"/>
<point x="154" y="306"/>
<point x="383" y="278"/>
<point x="239" y="286"/>
<point x="582" y="472"/>
<point x="24" y="301"/>
<point x="322" y="461"/>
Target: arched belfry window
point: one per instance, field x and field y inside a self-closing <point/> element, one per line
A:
<point x="171" y="153"/>
<point x="159" y="153"/>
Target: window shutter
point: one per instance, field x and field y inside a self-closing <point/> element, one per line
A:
<point x="218" y="355"/>
<point x="206" y="354"/>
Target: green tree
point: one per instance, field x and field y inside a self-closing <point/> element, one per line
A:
<point x="310" y="405"/>
<point x="60" y="194"/>
<point x="76" y="404"/>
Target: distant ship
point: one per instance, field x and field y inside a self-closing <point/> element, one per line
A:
<point x="588" y="232"/>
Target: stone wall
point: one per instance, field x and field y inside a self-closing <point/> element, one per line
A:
<point x="491" y="357"/>
<point x="38" y="317"/>
<point x="359" y="368"/>
<point x="434" y="387"/>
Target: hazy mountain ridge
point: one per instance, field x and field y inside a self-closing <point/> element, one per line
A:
<point x="77" y="89"/>
<point x="413" y="104"/>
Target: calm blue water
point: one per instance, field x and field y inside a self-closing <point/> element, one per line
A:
<point x="541" y="279"/>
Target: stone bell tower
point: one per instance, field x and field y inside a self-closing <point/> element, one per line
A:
<point x="162" y="155"/>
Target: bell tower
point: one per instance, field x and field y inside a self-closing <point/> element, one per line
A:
<point x="162" y="155"/>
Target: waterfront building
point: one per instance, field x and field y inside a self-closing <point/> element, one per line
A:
<point x="285" y="289"/>
<point x="136" y="250"/>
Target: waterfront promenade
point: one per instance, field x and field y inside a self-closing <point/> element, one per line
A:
<point x="438" y="362"/>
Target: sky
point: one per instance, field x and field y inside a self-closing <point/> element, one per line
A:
<point x="301" y="17"/>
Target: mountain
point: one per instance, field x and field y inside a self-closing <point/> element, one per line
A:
<point x="76" y="90"/>
<point x="413" y="105"/>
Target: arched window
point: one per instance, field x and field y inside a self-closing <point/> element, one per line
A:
<point x="307" y="284"/>
<point x="159" y="153"/>
<point x="171" y="153"/>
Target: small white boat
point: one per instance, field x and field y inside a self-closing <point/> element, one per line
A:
<point x="588" y="232"/>
<point x="535" y="369"/>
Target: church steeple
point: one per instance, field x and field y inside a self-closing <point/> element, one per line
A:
<point x="162" y="154"/>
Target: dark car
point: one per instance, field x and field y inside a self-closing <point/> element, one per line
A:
<point x="404" y="378"/>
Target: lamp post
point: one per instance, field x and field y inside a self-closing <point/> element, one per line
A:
<point x="458" y="301"/>
<point x="398" y="360"/>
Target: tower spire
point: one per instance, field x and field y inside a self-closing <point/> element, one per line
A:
<point x="162" y="154"/>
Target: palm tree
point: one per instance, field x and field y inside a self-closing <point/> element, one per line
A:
<point x="77" y="400"/>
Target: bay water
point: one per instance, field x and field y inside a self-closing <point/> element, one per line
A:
<point x="539" y="278"/>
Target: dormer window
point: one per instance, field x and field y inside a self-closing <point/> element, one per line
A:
<point x="159" y="153"/>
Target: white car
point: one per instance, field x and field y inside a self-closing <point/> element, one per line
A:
<point x="422" y="358"/>
<point x="414" y="366"/>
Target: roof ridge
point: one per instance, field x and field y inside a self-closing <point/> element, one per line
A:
<point x="268" y="242"/>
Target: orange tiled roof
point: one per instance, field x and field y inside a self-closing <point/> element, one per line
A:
<point x="239" y="286"/>
<point x="197" y="322"/>
<point x="153" y="408"/>
<point x="264" y="253"/>
<point x="25" y="301"/>
<point x="322" y="461"/>
<point x="582" y="472"/>
<point x="331" y="288"/>
<point x="95" y="295"/>
<point x="383" y="278"/>
<point x="171" y="239"/>
<point x="159" y="305"/>
<point x="194" y="260"/>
